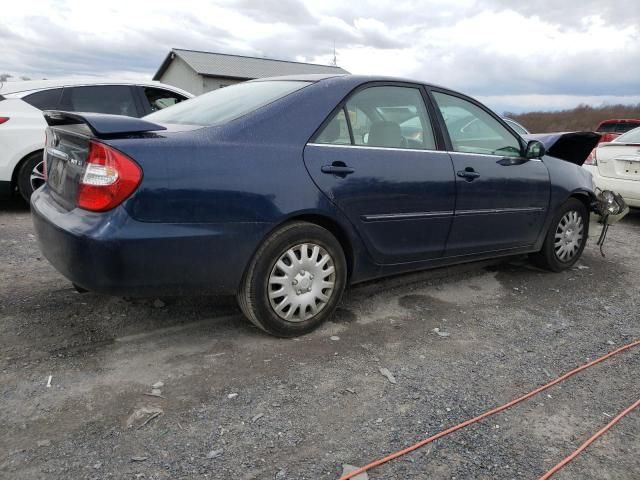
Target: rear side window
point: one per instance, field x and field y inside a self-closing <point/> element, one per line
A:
<point x="336" y="131"/>
<point x="113" y="99"/>
<point x="387" y="117"/>
<point x="225" y="104"/>
<point x="160" y="98"/>
<point x="45" y="99"/>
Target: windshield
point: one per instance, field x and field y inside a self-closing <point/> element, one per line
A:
<point x="632" y="136"/>
<point x="516" y="126"/>
<point x="225" y="104"/>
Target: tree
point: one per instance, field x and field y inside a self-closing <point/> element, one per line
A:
<point x="5" y="76"/>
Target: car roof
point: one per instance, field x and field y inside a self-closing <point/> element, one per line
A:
<point x="29" y="86"/>
<point x="349" y="78"/>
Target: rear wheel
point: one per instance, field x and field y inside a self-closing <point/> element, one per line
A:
<point x="566" y="238"/>
<point x="31" y="175"/>
<point x="294" y="281"/>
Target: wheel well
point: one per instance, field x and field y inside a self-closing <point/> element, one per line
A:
<point x="584" y="198"/>
<point x="336" y="230"/>
<point x="16" y="170"/>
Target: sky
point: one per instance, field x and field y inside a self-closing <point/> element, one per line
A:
<point x="512" y="55"/>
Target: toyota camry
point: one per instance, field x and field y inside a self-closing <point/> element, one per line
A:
<point x="283" y="191"/>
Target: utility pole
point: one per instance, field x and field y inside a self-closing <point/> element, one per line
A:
<point x="335" y="60"/>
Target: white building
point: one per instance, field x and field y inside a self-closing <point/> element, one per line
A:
<point x="200" y="72"/>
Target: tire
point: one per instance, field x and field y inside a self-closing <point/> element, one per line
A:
<point x="30" y="175"/>
<point x="306" y="289"/>
<point x="566" y="238"/>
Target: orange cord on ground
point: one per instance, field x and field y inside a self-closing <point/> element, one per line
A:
<point x="582" y="447"/>
<point x="487" y="414"/>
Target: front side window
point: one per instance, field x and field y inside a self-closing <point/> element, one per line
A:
<point x="473" y="130"/>
<point x="159" y="98"/>
<point x="112" y="99"/>
<point x="225" y="104"/>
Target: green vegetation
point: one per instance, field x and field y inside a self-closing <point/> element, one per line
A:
<point x="583" y="117"/>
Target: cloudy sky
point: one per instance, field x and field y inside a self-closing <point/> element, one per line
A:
<point x="513" y="55"/>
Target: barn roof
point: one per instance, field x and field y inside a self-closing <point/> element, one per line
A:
<point x="241" y="67"/>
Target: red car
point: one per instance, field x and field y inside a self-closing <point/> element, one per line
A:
<point x="610" y="129"/>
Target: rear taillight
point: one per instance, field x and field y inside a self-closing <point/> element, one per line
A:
<point x="109" y="178"/>
<point x="4" y="119"/>
<point x="591" y="159"/>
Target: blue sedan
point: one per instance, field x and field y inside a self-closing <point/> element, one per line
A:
<point x="283" y="191"/>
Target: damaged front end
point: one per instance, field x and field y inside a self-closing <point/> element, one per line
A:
<point x="608" y="208"/>
<point x="573" y="147"/>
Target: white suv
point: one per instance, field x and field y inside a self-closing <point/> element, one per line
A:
<point x="22" y="125"/>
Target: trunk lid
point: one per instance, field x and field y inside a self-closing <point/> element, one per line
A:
<point x="65" y="153"/>
<point x="619" y="160"/>
<point x="67" y="147"/>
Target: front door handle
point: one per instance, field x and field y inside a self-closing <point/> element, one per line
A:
<point x="469" y="174"/>
<point x="337" y="168"/>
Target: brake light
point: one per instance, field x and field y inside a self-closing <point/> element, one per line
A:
<point x="591" y="159"/>
<point x="3" y="119"/>
<point x="109" y="178"/>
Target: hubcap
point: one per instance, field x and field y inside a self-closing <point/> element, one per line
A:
<point x="37" y="177"/>
<point x="301" y="282"/>
<point x="568" y="238"/>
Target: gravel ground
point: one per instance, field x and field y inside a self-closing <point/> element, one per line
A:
<point x="238" y="404"/>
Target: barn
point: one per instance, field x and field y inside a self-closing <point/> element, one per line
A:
<point x="199" y="72"/>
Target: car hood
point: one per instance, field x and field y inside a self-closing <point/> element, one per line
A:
<point x="573" y="147"/>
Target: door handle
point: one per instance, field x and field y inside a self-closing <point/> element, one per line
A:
<point x="337" y="168"/>
<point x="469" y="174"/>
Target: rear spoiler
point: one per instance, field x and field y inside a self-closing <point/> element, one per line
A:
<point x="101" y="124"/>
<point x="573" y="147"/>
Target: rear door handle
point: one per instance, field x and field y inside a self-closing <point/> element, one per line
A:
<point x="469" y="174"/>
<point x="337" y="168"/>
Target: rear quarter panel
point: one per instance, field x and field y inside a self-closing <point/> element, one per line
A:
<point x="250" y="170"/>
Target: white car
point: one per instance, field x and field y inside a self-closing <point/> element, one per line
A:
<point x="616" y="166"/>
<point x="22" y="125"/>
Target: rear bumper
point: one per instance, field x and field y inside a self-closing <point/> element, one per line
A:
<point x="112" y="253"/>
<point x="629" y="189"/>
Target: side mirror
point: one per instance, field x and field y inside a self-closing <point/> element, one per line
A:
<point x="535" y="149"/>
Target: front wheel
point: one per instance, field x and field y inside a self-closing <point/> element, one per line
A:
<point x="566" y="238"/>
<point x="295" y="280"/>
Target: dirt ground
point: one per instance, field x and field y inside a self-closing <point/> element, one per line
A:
<point x="237" y="404"/>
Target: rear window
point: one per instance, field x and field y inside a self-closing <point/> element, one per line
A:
<point x="45" y="99"/>
<point x="630" y="137"/>
<point x="624" y="127"/>
<point x="617" y="127"/>
<point x="225" y="104"/>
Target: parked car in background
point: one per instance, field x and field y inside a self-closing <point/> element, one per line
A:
<point x="516" y="126"/>
<point x="615" y="166"/>
<point x="284" y="190"/>
<point x="22" y="126"/>
<point x="610" y="129"/>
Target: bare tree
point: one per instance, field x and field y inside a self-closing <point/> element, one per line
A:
<point x="5" y="76"/>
